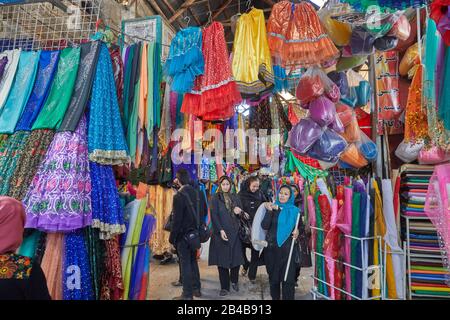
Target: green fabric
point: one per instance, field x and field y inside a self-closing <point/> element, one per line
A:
<point x="320" y="261"/>
<point x="54" y="109"/>
<point x="157" y="86"/>
<point x="29" y="244"/>
<point x="307" y="172"/>
<point x="133" y="124"/>
<point x="356" y="212"/>
<point x="136" y="232"/>
<point x="126" y="88"/>
<point x="432" y="293"/>
<point x="150" y="98"/>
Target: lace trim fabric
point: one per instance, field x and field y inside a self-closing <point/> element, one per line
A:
<point x="211" y="87"/>
<point x="109" y="157"/>
<point x="316" y="39"/>
<point x="108" y="231"/>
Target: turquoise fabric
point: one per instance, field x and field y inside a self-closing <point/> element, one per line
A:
<point x="20" y="91"/>
<point x="287" y="217"/>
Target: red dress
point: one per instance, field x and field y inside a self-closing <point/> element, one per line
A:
<point x="215" y="94"/>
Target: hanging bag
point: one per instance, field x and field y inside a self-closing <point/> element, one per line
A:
<point x="201" y="233"/>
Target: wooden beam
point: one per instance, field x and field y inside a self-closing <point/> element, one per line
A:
<point x="269" y="2"/>
<point x="181" y="9"/>
<point x="168" y="5"/>
<point x="221" y="8"/>
<point x="158" y="9"/>
<point x="195" y="17"/>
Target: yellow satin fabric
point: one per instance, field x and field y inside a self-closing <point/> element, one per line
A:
<point x="250" y="47"/>
<point x="380" y="230"/>
<point x="161" y="200"/>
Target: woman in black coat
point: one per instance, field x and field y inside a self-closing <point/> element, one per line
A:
<point x="225" y="249"/>
<point x="280" y="223"/>
<point x="251" y="198"/>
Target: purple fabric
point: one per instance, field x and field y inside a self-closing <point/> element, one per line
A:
<point x="3" y="63"/>
<point x="59" y="198"/>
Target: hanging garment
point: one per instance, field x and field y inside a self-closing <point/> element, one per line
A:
<point x="106" y="140"/>
<point x="252" y="63"/>
<point x="28" y="163"/>
<point x="185" y="61"/>
<point x="10" y="153"/>
<point x="76" y="261"/>
<point x="83" y="85"/>
<point x="112" y="283"/>
<point x="20" y="91"/>
<point x="3" y="63"/>
<point x="127" y="85"/>
<point x="296" y="36"/>
<point x="156" y="71"/>
<point x="54" y="109"/>
<point x="165" y="132"/>
<point x="107" y="213"/>
<point x="52" y="264"/>
<point x="118" y="75"/>
<point x="138" y="281"/>
<point x="132" y="241"/>
<point x="59" y="198"/>
<point x="96" y="253"/>
<point x="8" y="74"/>
<point x="356" y="246"/>
<point x="444" y="99"/>
<point x="48" y="62"/>
<point x="161" y="199"/>
<point x="438" y="134"/>
<point x="142" y="104"/>
<point x="215" y="93"/>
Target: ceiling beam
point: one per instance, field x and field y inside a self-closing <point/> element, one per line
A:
<point x="158" y="9"/>
<point x="181" y="9"/>
<point x="269" y="2"/>
<point x="221" y="8"/>
<point x="195" y="17"/>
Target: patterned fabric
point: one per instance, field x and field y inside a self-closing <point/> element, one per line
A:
<point x="118" y="73"/>
<point x="33" y="154"/>
<point x="106" y="140"/>
<point x="96" y="253"/>
<point x="10" y="153"/>
<point x="52" y="264"/>
<point x="59" y="198"/>
<point x="13" y="266"/>
<point x="3" y="63"/>
<point x="107" y="212"/>
<point x="112" y="282"/>
<point x="76" y="259"/>
<point x="48" y="62"/>
<point x="20" y="91"/>
<point x="260" y="117"/>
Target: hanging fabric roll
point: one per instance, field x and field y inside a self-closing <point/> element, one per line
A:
<point x="185" y="61"/>
<point x="54" y="109"/>
<point x="252" y="63"/>
<point x="106" y="140"/>
<point x="215" y="93"/>
<point x="48" y="63"/>
<point x="83" y="85"/>
<point x="20" y="91"/>
<point x="8" y="73"/>
<point x="59" y="198"/>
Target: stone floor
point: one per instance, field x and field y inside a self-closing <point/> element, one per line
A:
<point x="161" y="277"/>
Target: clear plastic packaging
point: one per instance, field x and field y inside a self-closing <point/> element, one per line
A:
<point x="337" y="125"/>
<point x="433" y="155"/>
<point x="378" y="23"/>
<point x="353" y="157"/>
<point x="408" y="151"/>
<point x="352" y="132"/>
<point x="304" y="134"/>
<point x="313" y="84"/>
<point x="322" y="111"/>
<point x="362" y="42"/>
<point x="345" y="113"/>
<point x="339" y="32"/>
<point x="340" y="79"/>
<point x="367" y="147"/>
<point x="401" y="29"/>
<point x="410" y="58"/>
<point x="386" y="43"/>
<point x="329" y="147"/>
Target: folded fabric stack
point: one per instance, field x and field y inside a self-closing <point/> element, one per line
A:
<point x="414" y="186"/>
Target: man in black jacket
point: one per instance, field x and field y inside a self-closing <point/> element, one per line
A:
<point x="183" y="222"/>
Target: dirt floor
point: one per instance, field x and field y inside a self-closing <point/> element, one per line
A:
<point x="161" y="277"/>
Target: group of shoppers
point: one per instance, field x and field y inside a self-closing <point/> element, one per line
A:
<point x="227" y="251"/>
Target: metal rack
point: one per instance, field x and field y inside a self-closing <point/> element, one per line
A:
<point x="45" y="25"/>
<point x="412" y="295"/>
<point x="364" y="269"/>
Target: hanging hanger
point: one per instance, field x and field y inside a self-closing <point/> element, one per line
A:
<point x="187" y="19"/>
<point x="249" y="2"/>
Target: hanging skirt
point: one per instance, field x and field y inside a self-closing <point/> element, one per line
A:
<point x="106" y="139"/>
<point x="107" y="212"/>
<point x="215" y="93"/>
<point x="252" y="63"/>
<point x="296" y="36"/>
<point x="52" y="264"/>
<point x="10" y="153"/>
<point x="33" y="154"/>
<point x="59" y="198"/>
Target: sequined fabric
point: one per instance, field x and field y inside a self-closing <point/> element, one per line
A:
<point x="215" y="93"/>
<point x="112" y="283"/>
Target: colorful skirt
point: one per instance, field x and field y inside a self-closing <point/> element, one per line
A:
<point x="215" y="93"/>
<point x="59" y="198"/>
<point x="296" y="36"/>
<point x="252" y="63"/>
<point x="107" y="212"/>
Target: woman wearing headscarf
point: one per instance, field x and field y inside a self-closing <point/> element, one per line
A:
<point x="20" y="277"/>
<point x="251" y="198"/>
<point x="280" y="222"/>
<point x="225" y="249"/>
<point x="298" y="202"/>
